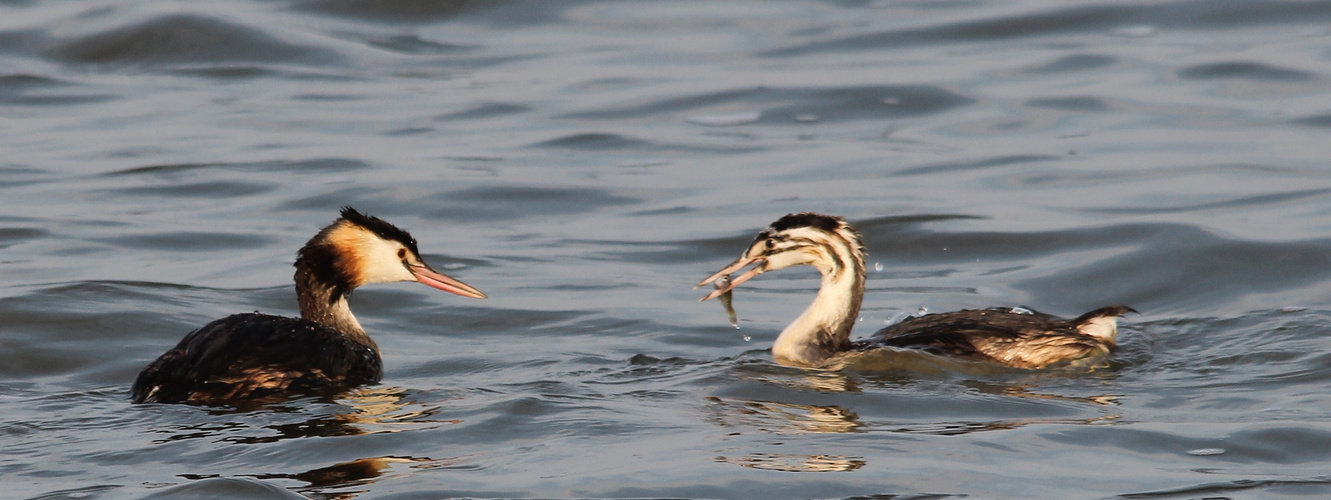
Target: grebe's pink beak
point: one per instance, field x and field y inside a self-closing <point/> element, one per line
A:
<point x="435" y="279"/>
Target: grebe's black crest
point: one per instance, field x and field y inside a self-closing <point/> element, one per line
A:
<point x="827" y="223"/>
<point x="1006" y="336"/>
<point x="248" y="356"/>
<point x="380" y="227"/>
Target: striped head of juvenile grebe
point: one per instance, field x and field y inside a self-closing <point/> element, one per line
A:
<point x="825" y="242"/>
<point x="828" y="244"/>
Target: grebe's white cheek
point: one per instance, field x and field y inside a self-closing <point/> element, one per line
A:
<point x="381" y="264"/>
<point x="787" y="259"/>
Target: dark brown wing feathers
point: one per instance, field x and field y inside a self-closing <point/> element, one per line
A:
<point x="1022" y="339"/>
<point x="253" y="355"/>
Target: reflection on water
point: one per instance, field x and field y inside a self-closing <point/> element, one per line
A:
<point x="1024" y="390"/>
<point x="315" y="427"/>
<point x="795" y="463"/>
<point x="789" y="418"/>
<point x="962" y="428"/>
<point x="771" y="416"/>
<point x="366" y="410"/>
<point x="781" y="418"/>
<point x="359" y="412"/>
<point x="359" y="472"/>
<point x="198" y="431"/>
<point x="390" y="409"/>
<point x="794" y="378"/>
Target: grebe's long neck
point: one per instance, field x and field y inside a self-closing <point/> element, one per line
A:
<point x="322" y="290"/>
<point x="824" y="328"/>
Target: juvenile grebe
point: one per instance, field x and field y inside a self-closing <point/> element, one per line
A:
<point x="1003" y="335"/>
<point x="254" y="355"/>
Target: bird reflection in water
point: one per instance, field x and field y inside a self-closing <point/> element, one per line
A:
<point x="1023" y="390"/>
<point x="783" y="418"/>
<point x="359" y="472"/>
<point x="365" y="410"/>
<point x="789" y="418"/>
<point x="388" y="409"/>
<point x="816" y="380"/>
<point x="787" y="462"/>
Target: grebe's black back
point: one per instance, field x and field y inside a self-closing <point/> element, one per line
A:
<point x="1010" y="337"/>
<point x="254" y="355"/>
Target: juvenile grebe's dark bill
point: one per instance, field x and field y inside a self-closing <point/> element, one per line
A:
<point x="739" y="263"/>
<point x="436" y="279"/>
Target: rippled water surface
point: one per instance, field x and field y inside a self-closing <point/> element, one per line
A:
<point x="585" y="163"/>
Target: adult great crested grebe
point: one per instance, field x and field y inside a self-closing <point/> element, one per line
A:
<point x="252" y="355"/>
<point x="1004" y="336"/>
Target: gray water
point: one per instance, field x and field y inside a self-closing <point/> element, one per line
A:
<point x="585" y="163"/>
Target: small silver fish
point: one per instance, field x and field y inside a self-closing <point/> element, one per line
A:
<point x="725" y="299"/>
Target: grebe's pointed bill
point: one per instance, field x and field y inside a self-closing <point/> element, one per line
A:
<point x="739" y="263"/>
<point x="435" y="279"/>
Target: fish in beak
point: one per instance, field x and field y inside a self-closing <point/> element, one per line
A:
<point x="740" y="263"/>
<point x="727" y="300"/>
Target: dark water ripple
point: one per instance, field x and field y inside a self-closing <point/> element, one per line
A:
<point x="1315" y="121"/>
<point x="32" y="90"/>
<point x="186" y="241"/>
<point x="1194" y="14"/>
<point x="182" y="39"/>
<point x="487" y="110"/>
<point x="586" y="162"/>
<point x="316" y="166"/>
<point x="1075" y="63"/>
<point x="1245" y="70"/>
<point x="793" y="105"/>
<point x="411" y="44"/>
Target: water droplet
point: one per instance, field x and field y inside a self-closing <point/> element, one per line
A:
<point x="1022" y="310"/>
<point x="1206" y="452"/>
<point x="747" y="338"/>
<point x="877" y="266"/>
<point x="923" y="311"/>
